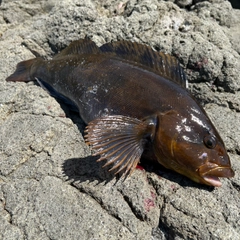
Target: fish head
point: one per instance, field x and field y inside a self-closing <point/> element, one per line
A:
<point x="191" y="148"/>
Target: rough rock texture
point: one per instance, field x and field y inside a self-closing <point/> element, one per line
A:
<point x="51" y="187"/>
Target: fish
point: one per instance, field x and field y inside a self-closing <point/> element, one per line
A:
<point x="133" y="98"/>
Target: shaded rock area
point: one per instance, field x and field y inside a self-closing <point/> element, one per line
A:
<point x="51" y="187"/>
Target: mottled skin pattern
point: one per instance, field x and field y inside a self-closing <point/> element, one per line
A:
<point x="106" y="84"/>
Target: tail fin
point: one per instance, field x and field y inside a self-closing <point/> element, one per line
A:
<point x="22" y="72"/>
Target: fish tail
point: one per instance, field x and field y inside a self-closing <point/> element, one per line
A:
<point x="22" y="72"/>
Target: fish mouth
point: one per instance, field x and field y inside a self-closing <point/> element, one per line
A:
<point x="211" y="173"/>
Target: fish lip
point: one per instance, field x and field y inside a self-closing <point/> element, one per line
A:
<point x="211" y="173"/>
<point x="212" y="181"/>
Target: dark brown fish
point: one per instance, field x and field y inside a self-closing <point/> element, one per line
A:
<point x="132" y="97"/>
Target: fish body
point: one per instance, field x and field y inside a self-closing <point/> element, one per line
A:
<point x="131" y="96"/>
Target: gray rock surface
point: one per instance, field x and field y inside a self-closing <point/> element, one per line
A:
<point x="51" y="187"/>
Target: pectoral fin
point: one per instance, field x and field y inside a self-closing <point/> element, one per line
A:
<point x="120" y="140"/>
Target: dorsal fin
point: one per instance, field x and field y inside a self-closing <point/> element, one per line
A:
<point x="160" y="63"/>
<point x="82" y="46"/>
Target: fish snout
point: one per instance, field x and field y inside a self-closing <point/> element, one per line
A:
<point x="210" y="173"/>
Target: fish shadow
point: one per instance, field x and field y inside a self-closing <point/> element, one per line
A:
<point x="173" y="176"/>
<point x="80" y="169"/>
<point x="86" y="169"/>
<point x="72" y="112"/>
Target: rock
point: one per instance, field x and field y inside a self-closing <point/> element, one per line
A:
<point x="51" y="187"/>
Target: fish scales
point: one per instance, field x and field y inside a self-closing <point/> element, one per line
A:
<point x="132" y="97"/>
<point x="119" y="78"/>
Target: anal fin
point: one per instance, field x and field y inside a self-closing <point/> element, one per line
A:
<point x="120" y="140"/>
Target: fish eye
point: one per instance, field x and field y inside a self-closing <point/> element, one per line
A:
<point x="210" y="141"/>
